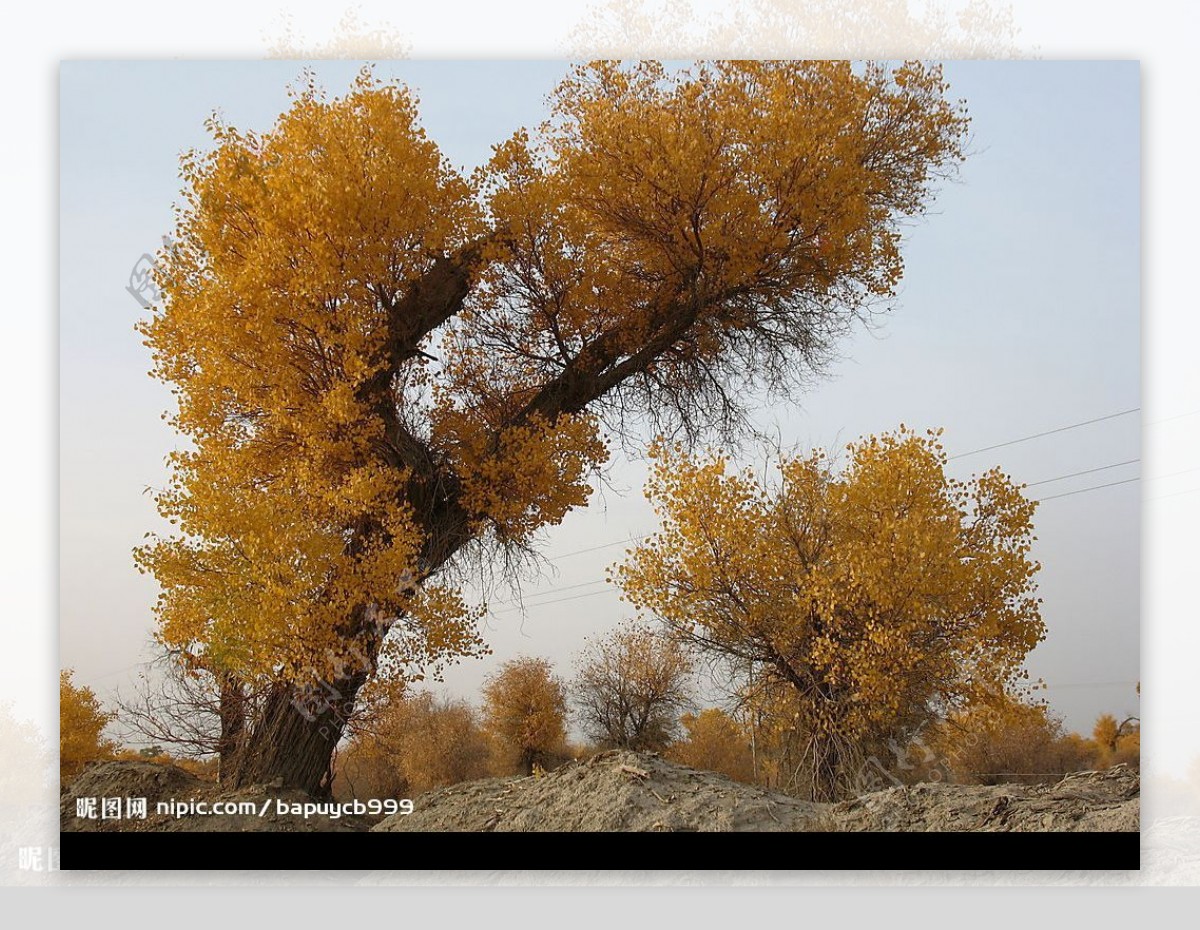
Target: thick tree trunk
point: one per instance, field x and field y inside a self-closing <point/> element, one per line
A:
<point x="295" y="737"/>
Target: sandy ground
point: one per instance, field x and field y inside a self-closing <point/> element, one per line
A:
<point x="626" y="791"/>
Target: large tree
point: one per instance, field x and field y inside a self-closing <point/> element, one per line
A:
<point x="384" y="367"/>
<point x="863" y="601"/>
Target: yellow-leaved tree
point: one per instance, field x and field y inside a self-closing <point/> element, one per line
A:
<point x="1007" y="739"/>
<point x="861" y="601"/>
<point x="383" y="366"/>
<point x="714" y="741"/>
<point x="525" y="716"/>
<point x="80" y="728"/>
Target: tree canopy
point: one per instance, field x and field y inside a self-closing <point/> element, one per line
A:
<point x="862" y="601"/>
<point x="383" y="364"/>
<point x="525" y="714"/>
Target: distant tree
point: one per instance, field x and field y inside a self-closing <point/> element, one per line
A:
<point x="1117" y="742"/>
<point x="81" y="728"/>
<point x="1009" y="739"/>
<point x="405" y="744"/>
<point x="715" y="742"/>
<point x="1105" y="732"/>
<point x="630" y="687"/>
<point x="524" y="714"/>
<point x="881" y="595"/>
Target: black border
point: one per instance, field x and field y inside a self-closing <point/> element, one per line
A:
<point x="175" y="851"/>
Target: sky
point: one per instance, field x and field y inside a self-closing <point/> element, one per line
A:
<point x="1018" y="315"/>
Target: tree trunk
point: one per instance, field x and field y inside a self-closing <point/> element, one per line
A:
<point x="295" y="737"/>
<point x="232" y="713"/>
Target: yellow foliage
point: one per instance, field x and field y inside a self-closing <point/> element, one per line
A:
<point x="410" y="743"/>
<point x="1117" y="742"/>
<point x="715" y="742"/>
<point x="1105" y="732"/>
<point x="1129" y="749"/>
<point x="1008" y="739"/>
<point x="524" y="715"/>
<point x="377" y="361"/>
<point x="81" y="728"/>
<point x="870" y="595"/>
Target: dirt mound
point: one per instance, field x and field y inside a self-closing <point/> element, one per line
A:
<point x="613" y="791"/>
<point x="634" y="792"/>
<point x="1086" y="801"/>
<point x="258" y="808"/>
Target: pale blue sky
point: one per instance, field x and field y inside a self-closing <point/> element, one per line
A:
<point x="1018" y="314"/>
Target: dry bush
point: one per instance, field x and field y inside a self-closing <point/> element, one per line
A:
<point x="1129" y="749"/>
<point x="411" y="743"/>
<point x="204" y="768"/>
<point x="1117" y="743"/>
<point x="1008" y="740"/>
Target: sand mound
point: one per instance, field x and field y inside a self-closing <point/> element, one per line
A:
<point x="618" y="791"/>
<point x="633" y="791"/>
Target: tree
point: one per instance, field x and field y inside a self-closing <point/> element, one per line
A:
<point x="1105" y="733"/>
<point x="1008" y="739"/>
<point x="408" y="743"/>
<point x="878" y="596"/>
<point x="81" y="728"/>
<point x="385" y="369"/>
<point x="715" y="742"/>
<point x="1117" y="742"/>
<point x="525" y="715"/>
<point x="198" y="712"/>
<point x="630" y="687"/>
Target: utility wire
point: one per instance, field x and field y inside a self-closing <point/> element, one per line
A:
<point x="619" y="542"/>
<point x="558" y="600"/>
<point x="1086" y="471"/>
<point x="1178" y="416"/>
<point x="1111" y="484"/>
<point x="1049" y="432"/>
<point x="1075" y="474"/>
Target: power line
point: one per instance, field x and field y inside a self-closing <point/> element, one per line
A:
<point x="1159" y="497"/>
<point x="619" y="542"/>
<point x="585" y="584"/>
<point x="1178" y="416"/>
<point x="1086" y="471"/>
<point x="127" y="668"/>
<point x="1111" y="484"/>
<point x="558" y="600"/>
<point x="569" y="587"/>
<point x="1049" y="432"/>
<point x="1172" y="474"/>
